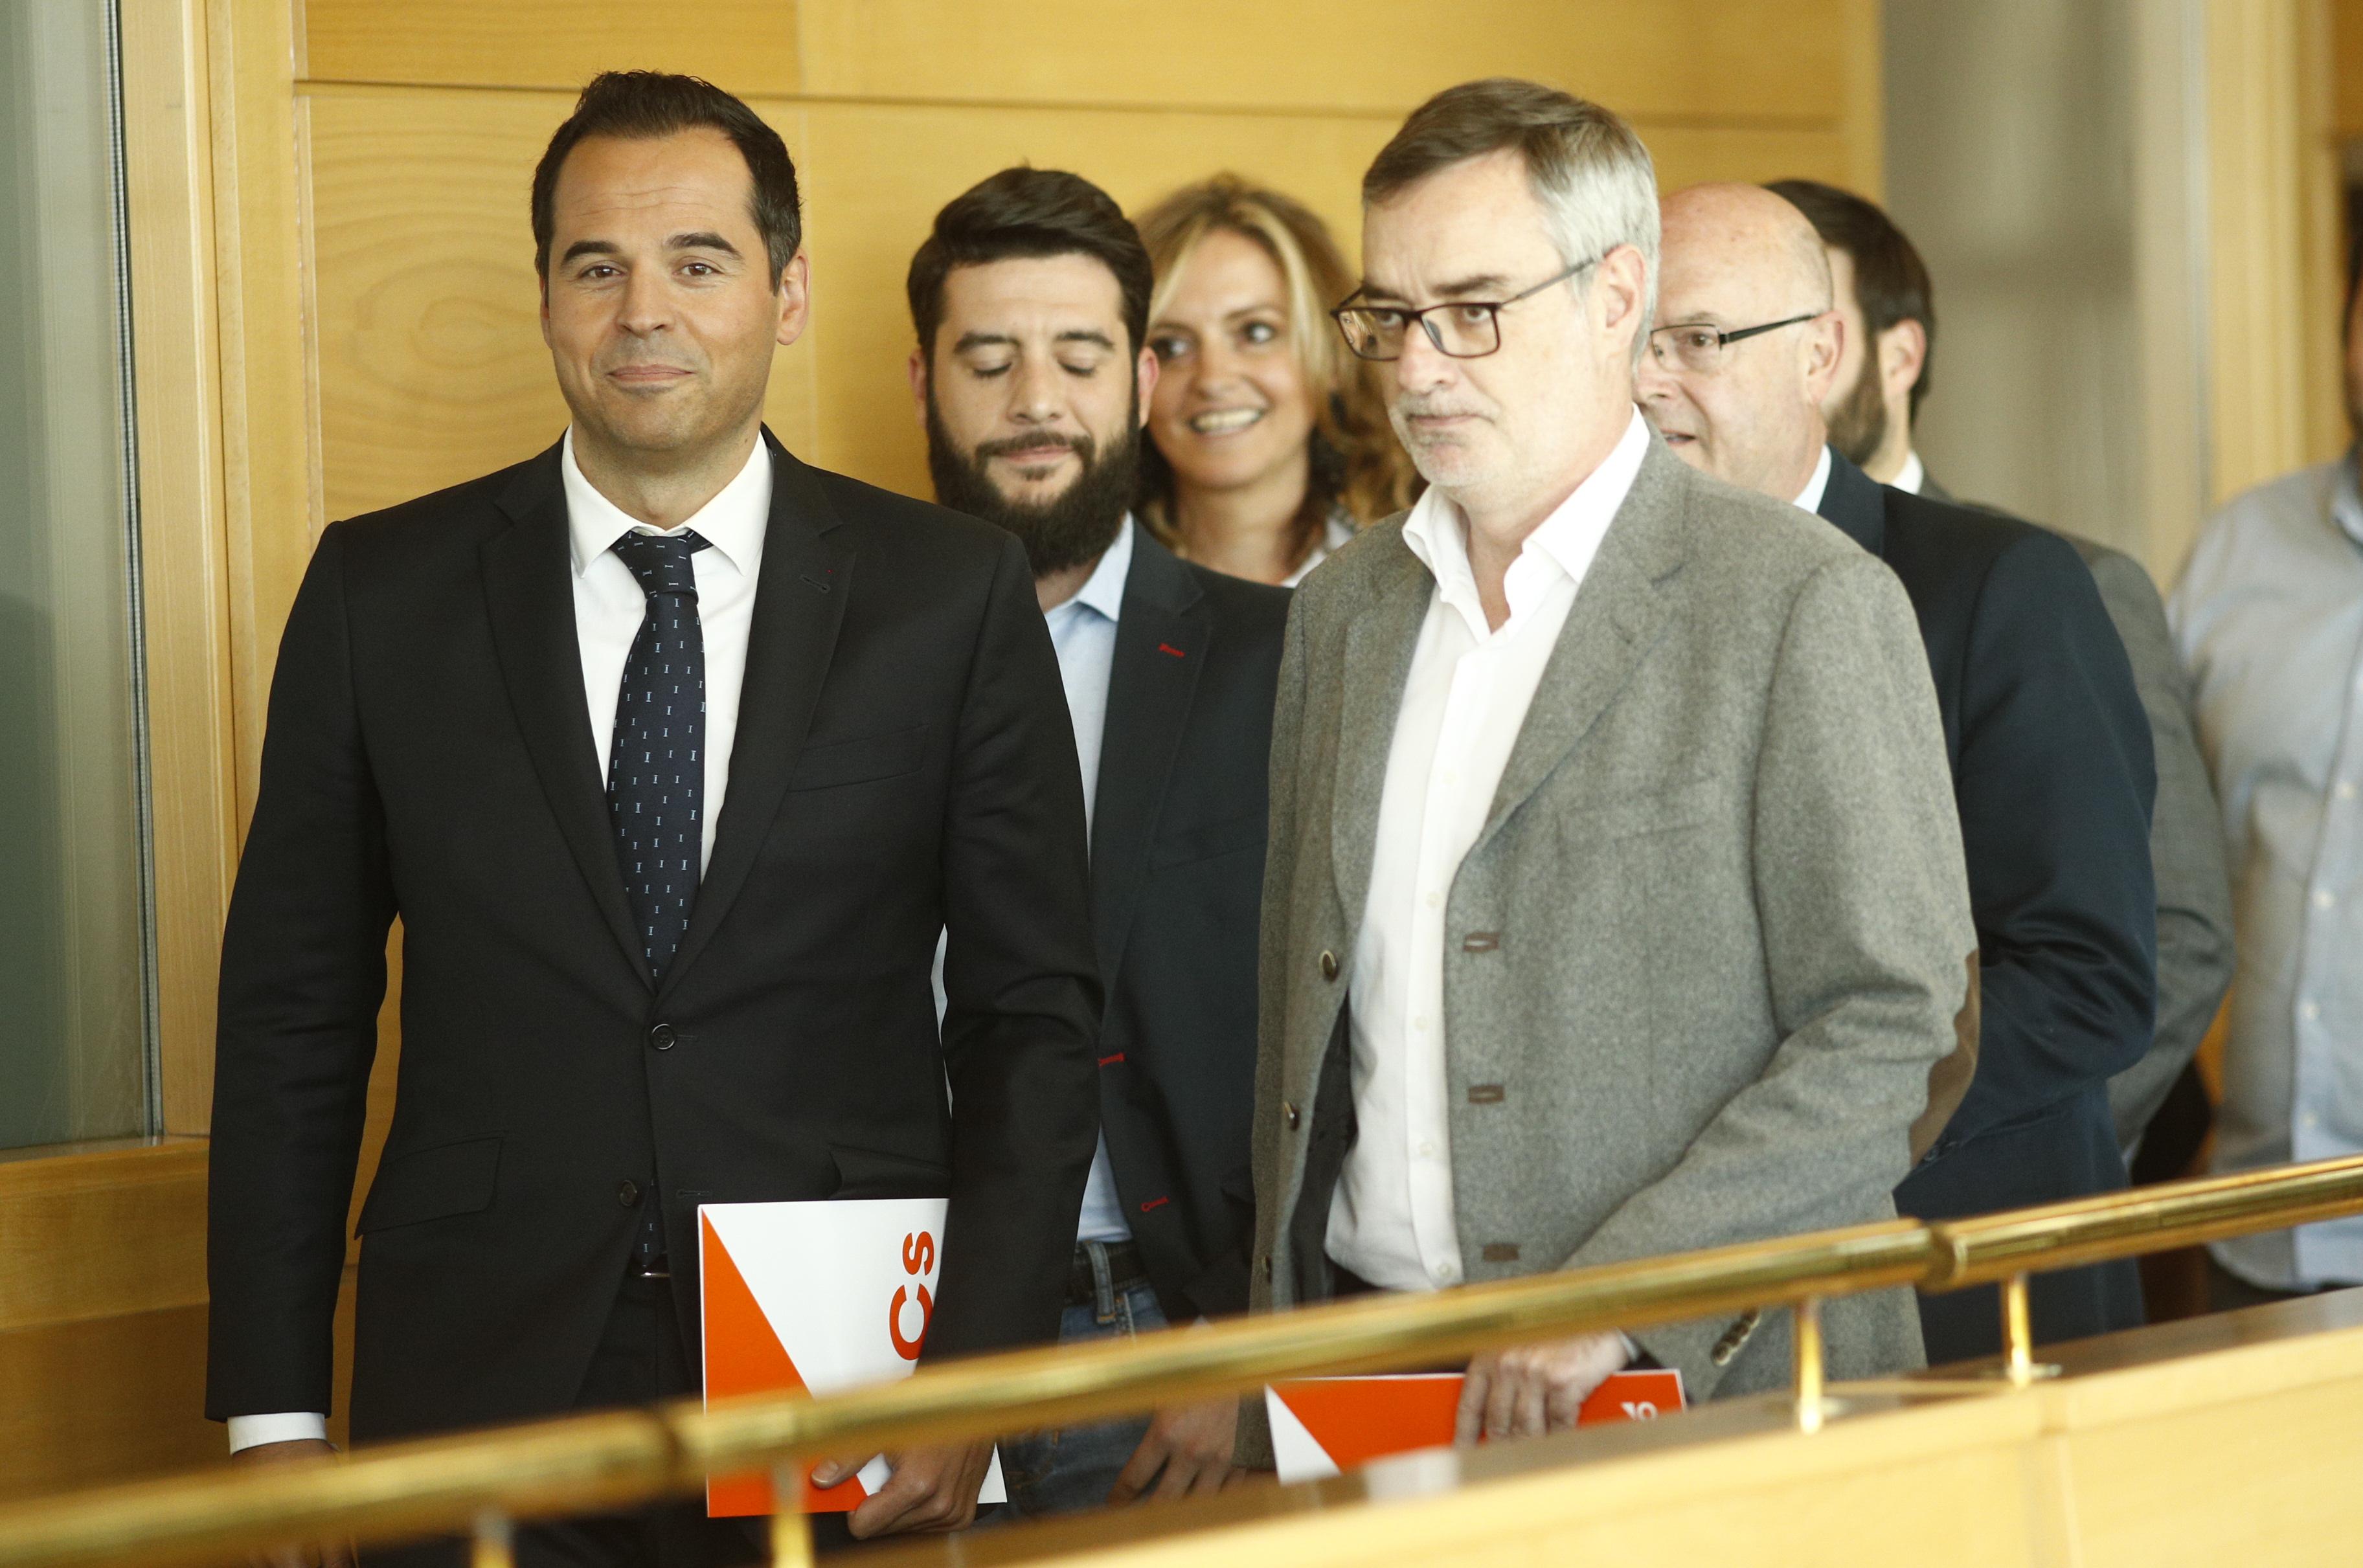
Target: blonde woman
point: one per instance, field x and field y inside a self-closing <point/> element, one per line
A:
<point x="1269" y="442"/>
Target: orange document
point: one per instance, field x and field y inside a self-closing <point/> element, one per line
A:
<point x="821" y="1296"/>
<point x="1321" y="1425"/>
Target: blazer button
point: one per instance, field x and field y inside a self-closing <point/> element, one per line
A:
<point x="662" y="1037"/>
<point x="628" y="1194"/>
<point x="1292" y="1114"/>
<point x="1328" y="966"/>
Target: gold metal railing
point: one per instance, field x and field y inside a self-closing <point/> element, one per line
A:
<point x="478" y="1484"/>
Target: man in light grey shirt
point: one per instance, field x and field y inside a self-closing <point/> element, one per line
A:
<point x="2270" y="618"/>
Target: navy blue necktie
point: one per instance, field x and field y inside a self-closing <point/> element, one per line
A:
<point x="656" y="767"/>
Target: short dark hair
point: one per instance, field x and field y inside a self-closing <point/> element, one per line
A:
<point x="1030" y="212"/>
<point x="1891" y="281"/>
<point x="640" y="105"/>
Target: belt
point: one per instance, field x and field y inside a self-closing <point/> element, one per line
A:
<point x="1125" y="1270"/>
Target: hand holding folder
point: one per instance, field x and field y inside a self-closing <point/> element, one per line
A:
<point x="821" y="1296"/>
<point x="1322" y="1426"/>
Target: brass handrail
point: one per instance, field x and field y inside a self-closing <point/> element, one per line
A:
<point x="480" y="1481"/>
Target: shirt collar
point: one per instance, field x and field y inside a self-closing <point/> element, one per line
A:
<point x="1102" y="592"/>
<point x="733" y="522"/>
<point x="1437" y="534"/>
<point x="1810" y="498"/>
<point x="1913" y="474"/>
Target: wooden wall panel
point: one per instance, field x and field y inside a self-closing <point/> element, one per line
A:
<point x="270" y="410"/>
<point x="431" y="365"/>
<point x="2271" y="243"/>
<point x="1723" y="61"/>
<point x="104" y="1400"/>
<point x="103" y="1314"/>
<point x="2346" y="68"/>
<point x="747" y="45"/>
<point x="110" y="1229"/>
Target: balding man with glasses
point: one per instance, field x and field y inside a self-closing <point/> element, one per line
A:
<point x="1614" y="903"/>
<point x="2049" y="749"/>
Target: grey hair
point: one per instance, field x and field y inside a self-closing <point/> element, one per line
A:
<point x="1590" y="173"/>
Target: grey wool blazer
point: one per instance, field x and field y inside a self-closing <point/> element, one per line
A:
<point x="2186" y="847"/>
<point x="1704" y="954"/>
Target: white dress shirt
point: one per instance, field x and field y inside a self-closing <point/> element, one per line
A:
<point x="609" y="605"/>
<point x="1810" y="498"/>
<point x="1463" y="705"/>
<point x="1082" y="630"/>
<point x="1912" y="474"/>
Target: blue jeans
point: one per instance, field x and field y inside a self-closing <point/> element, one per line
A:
<point x="1069" y="1468"/>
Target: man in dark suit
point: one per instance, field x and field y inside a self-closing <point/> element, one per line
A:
<point x="2050" y="750"/>
<point x="1883" y="294"/>
<point x="675" y="756"/>
<point x="1032" y="379"/>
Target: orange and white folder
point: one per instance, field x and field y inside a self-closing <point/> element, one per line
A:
<point x="821" y="1297"/>
<point x="1321" y="1425"/>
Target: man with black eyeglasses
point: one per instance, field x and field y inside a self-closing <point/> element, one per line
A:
<point x="2048" y="746"/>
<point x="1613" y="904"/>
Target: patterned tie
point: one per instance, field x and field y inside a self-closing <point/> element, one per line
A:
<point x="656" y="768"/>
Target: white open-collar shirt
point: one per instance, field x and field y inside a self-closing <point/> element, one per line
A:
<point x="1463" y="704"/>
<point x="609" y="605"/>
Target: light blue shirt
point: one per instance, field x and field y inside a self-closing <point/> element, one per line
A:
<point x="2269" y="620"/>
<point x="1082" y="630"/>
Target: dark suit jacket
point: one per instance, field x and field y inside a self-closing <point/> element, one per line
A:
<point x="2186" y="841"/>
<point x="2053" y="773"/>
<point x="904" y="764"/>
<point x="1176" y="881"/>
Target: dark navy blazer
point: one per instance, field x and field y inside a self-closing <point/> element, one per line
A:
<point x="2054" y="777"/>
<point x="1177" y="831"/>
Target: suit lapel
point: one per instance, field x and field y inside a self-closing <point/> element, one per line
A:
<point x="1618" y="613"/>
<point x="529" y="597"/>
<point x="1164" y="637"/>
<point x="800" y="597"/>
<point x="1380" y="641"/>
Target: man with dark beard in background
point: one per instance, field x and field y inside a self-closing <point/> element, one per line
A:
<point x="1031" y="304"/>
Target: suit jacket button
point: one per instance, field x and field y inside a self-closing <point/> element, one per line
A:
<point x="628" y="1194"/>
<point x="1328" y="966"/>
<point x="662" y="1037"/>
<point x="1292" y="1115"/>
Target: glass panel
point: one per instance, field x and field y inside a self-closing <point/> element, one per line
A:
<point x="73" y="1056"/>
